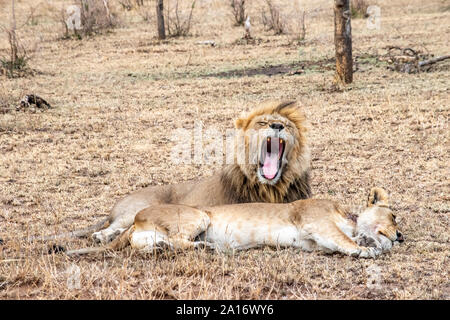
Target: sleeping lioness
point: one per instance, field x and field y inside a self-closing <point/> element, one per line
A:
<point x="307" y="224"/>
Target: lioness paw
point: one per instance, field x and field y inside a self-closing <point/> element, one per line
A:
<point x="98" y="237"/>
<point x="366" y="241"/>
<point x="164" y="246"/>
<point x="370" y="252"/>
<point x="203" y="245"/>
<point x="106" y="235"/>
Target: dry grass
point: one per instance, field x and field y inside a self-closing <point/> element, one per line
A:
<point x="272" y="20"/>
<point x="358" y="8"/>
<point x="116" y="98"/>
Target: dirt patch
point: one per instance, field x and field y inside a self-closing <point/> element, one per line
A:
<point x="279" y="69"/>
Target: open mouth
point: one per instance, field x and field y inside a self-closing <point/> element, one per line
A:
<point x="270" y="162"/>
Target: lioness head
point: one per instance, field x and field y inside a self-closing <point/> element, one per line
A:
<point x="378" y="222"/>
<point x="275" y="142"/>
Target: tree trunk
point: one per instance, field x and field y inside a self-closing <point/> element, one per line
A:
<point x="343" y="41"/>
<point x="160" y="19"/>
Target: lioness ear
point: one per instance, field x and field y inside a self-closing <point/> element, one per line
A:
<point x="378" y="196"/>
<point x="240" y="123"/>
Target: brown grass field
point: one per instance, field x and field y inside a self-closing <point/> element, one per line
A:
<point x="117" y="96"/>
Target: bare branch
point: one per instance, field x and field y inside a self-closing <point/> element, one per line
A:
<point x="433" y="61"/>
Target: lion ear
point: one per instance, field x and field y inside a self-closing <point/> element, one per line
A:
<point x="241" y="123"/>
<point x="378" y="197"/>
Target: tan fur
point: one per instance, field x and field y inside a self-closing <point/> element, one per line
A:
<point x="377" y="196"/>
<point x="307" y="224"/>
<point x="235" y="183"/>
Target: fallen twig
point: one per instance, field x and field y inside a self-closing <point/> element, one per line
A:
<point x="433" y="61"/>
<point x="408" y="60"/>
<point x="11" y="260"/>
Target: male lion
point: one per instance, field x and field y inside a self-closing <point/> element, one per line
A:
<point x="310" y="224"/>
<point x="278" y="173"/>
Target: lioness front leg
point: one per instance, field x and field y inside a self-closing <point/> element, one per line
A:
<point x="335" y="240"/>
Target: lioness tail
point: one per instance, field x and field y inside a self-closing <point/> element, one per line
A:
<point x="118" y="244"/>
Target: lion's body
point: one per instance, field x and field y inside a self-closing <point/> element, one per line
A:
<point x="188" y="194"/>
<point x="235" y="183"/>
<point x="306" y="224"/>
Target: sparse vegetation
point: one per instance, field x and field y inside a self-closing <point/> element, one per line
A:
<point x="147" y="11"/>
<point x="15" y="62"/>
<point x="358" y="8"/>
<point x="272" y="18"/>
<point x="96" y="15"/>
<point x="178" y="19"/>
<point x="6" y="105"/>
<point x="87" y="17"/>
<point x="299" y="30"/>
<point x="131" y="4"/>
<point x="117" y="98"/>
<point x="238" y="10"/>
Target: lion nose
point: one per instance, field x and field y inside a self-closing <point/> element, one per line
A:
<point x="277" y="126"/>
<point x="400" y="237"/>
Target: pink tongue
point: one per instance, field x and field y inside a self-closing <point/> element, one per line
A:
<point x="270" y="166"/>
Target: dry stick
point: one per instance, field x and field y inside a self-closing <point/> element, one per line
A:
<point x="83" y="251"/>
<point x="190" y="17"/>
<point x="238" y="9"/>
<point x="433" y="61"/>
<point x="12" y="37"/>
<point x="303" y="31"/>
<point x="11" y="260"/>
<point x="105" y="3"/>
<point x="176" y="14"/>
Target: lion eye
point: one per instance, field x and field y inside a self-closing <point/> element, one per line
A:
<point x="262" y="123"/>
<point x="394" y="217"/>
<point x="382" y="233"/>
